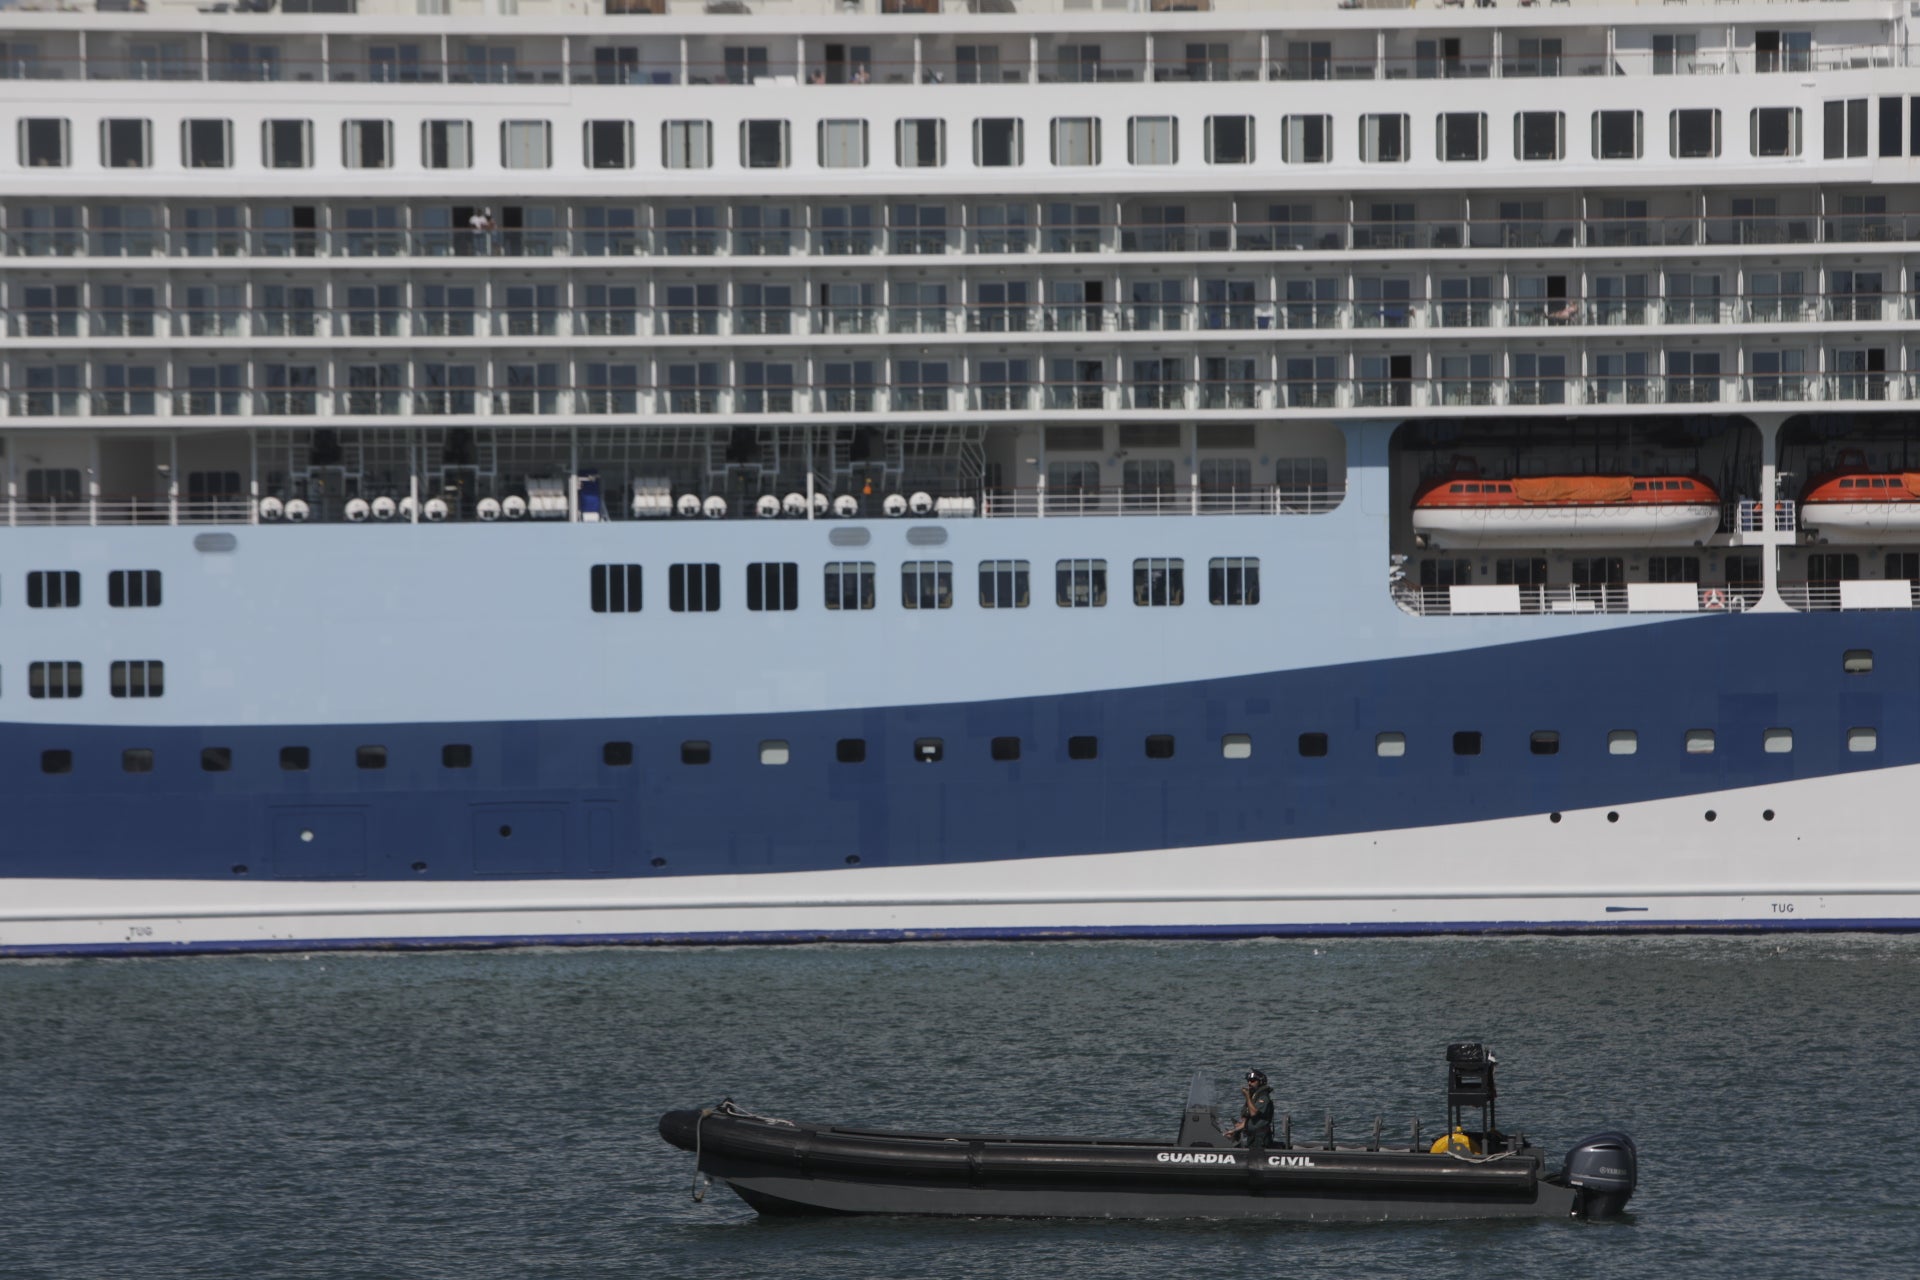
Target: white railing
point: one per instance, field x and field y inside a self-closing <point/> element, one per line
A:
<point x="1172" y="501"/>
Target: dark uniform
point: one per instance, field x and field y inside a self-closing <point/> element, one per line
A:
<point x="1255" y="1129"/>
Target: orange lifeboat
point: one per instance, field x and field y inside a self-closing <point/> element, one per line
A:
<point x="1854" y="504"/>
<point x="1566" y="511"/>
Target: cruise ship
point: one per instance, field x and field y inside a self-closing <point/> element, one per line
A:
<point x="550" y="471"/>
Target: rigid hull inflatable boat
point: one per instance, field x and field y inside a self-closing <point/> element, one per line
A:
<point x="780" y="1167"/>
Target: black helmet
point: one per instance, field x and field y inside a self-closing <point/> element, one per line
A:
<point x="1256" y="1077"/>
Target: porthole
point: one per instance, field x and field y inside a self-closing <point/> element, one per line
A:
<point x="775" y="751"/>
<point x="696" y="753"/>
<point x="853" y="859"/>
<point x="296" y="759"/>
<point x="1544" y="742"/>
<point x="850" y="750"/>
<point x="1777" y="742"/>
<point x="1622" y="742"/>
<point x="506" y="831"/>
<point x="1236" y="746"/>
<point x="929" y="750"/>
<point x="1389" y="745"/>
<point x="1766" y="815"/>
<point x="1857" y="662"/>
<point x="239" y="868"/>
<point x="58" y="760"/>
<point x="1466" y="742"/>
<point x="1863" y="738"/>
<point x="1553" y="817"/>
<point x="1159" y="746"/>
<point x="1613" y="817"/>
<point x="616" y="754"/>
<point x="136" y="760"/>
<point x="456" y="755"/>
<point x="1083" y="747"/>
<point x="1700" y="742"/>
<point x="419" y="866"/>
<point x="1006" y="748"/>
<point x="370" y="757"/>
<point x="1313" y="745"/>
<point x="658" y="862"/>
<point x="216" y="759"/>
<point x="1711" y="815"/>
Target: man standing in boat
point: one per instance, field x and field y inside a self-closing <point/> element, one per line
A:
<point x="1255" y="1127"/>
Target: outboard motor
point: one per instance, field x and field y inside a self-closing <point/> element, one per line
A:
<point x="1605" y="1167"/>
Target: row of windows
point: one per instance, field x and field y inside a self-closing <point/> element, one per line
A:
<point x="997" y="142"/>
<point x="126" y="679"/>
<point x="927" y="584"/>
<point x="60" y="588"/>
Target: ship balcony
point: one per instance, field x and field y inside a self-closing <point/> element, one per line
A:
<point x="1565" y="598"/>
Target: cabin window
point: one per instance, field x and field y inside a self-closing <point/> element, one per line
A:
<point x="1306" y="139"/>
<point x="1857" y="662"/>
<point x="1466" y="742"/>
<point x="1076" y="141"/>
<point x="53" y="589"/>
<point x="1544" y="742"/>
<point x="1863" y="738"/>
<point x="137" y="679"/>
<point x="1844" y="128"/>
<point x="693" y="588"/>
<point x="54" y="680"/>
<point x="1083" y="747"/>
<point x="616" y="755"/>
<point x="997" y="143"/>
<point x="1774" y="131"/>
<point x="1236" y="746"/>
<point x="1777" y="742"/>
<point x="773" y="587"/>
<point x="696" y="752"/>
<point x="609" y="144"/>
<point x="849" y="584"/>
<point x="686" y="144"/>
<point x="1159" y="746"/>
<point x="1461" y="135"/>
<point x="44" y="143"/>
<point x="207" y="144"/>
<point x="296" y="759"/>
<point x="526" y="144"/>
<point x="216" y="759"/>
<point x="57" y="760"/>
<point x="1153" y="140"/>
<point x="1616" y="135"/>
<point x="1229" y="139"/>
<point x="1233" y="580"/>
<point x="921" y="144"/>
<point x="367" y="144"/>
<point x="1383" y="138"/>
<point x="926" y="584"/>
<point x="1693" y="133"/>
<point x="615" y="588"/>
<point x="850" y="750"/>
<point x="370" y="757"/>
<point x="136" y="760"/>
<point x="1673" y="568"/>
<point x="1004" y="584"/>
<point x="1524" y="573"/>
<point x="1080" y="584"/>
<point x="126" y="144"/>
<point x="774" y="751"/>
<point x="1539" y="135"/>
<point x="1389" y="745"/>
<point x="1700" y="742"/>
<point x="1159" y="583"/>
<point x="133" y="589"/>
<point x="287" y="144"/>
<point x="843" y="144"/>
<point x="1445" y="573"/>
<point x="456" y="755"/>
<point x="1005" y="749"/>
<point x="1313" y="745"/>
<point x="446" y="144"/>
<point x="929" y="750"/>
<point x="1622" y="742"/>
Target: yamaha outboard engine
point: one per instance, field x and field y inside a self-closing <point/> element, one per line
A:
<point x="1605" y="1167"/>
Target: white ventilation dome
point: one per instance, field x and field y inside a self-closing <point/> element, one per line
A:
<point x="794" y="504"/>
<point x="819" y="503"/>
<point x="920" y="503"/>
<point x="713" y="508"/>
<point x="766" y="506"/>
<point x="846" y="505"/>
<point x="436" y="510"/>
<point x="383" y="508"/>
<point x="689" y="504"/>
<point x="513" y="507"/>
<point x="407" y="507"/>
<point x="894" y="505"/>
<point x="297" y="510"/>
<point x="357" y="510"/>
<point x="487" y="508"/>
<point x="271" y="509"/>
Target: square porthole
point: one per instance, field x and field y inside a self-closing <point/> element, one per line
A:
<point x="1083" y="747"/>
<point x="1863" y="738"/>
<point x="1466" y="742"/>
<point x="296" y="759"/>
<point x="1236" y="746"/>
<point x="370" y="757"/>
<point x="1622" y="742"/>
<point x="1777" y="742"/>
<point x="1389" y="745"/>
<point x="1700" y="742"/>
<point x="850" y="750"/>
<point x="456" y="755"/>
<point x="696" y="753"/>
<point x="1159" y="746"/>
<point x="618" y="755"/>
<point x="1006" y="748"/>
<point x="58" y="760"/>
<point x="929" y="750"/>
<point x="774" y="751"/>
<point x="136" y="760"/>
<point x="1313" y="745"/>
<point x="1857" y="662"/>
<point x="216" y="759"/>
<point x="1544" y="742"/>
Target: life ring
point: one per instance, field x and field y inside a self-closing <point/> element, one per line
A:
<point x="1713" y="599"/>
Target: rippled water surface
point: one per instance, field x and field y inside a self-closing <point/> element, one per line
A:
<point x="492" y="1114"/>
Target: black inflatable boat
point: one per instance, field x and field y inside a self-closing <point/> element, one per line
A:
<point x="780" y="1167"/>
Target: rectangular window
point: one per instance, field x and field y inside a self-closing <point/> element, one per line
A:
<point x="456" y="755"/>
<point x="296" y="759"/>
<point x="526" y="144"/>
<point x="1390" y="745"/>
<point x="44" y="143"/>
<point x="997" y="143"/>
<point x="696" y="752"/>
<point x="1845" y="128"/>
<point x="53" y="589"/>
<point x="926" y="584"/>
<point x="1539" y="135"/>
<point x="1233" y="580"/>
<point x="764" y="144"/>
<point x="287" y="144"/>
<point x="1229" y="139"/>
<point x="446" y="144"/>
<point x="1462" y="135"/>
<point x="693" y="588"/>
<point x="1777" y="742"/>
<point x="137" y="760"/>
<point x="849" y="584"/>
<point x="207" y="144"/>
<point x="1775" y="131"/>
<point x="850" y="750"/>
<point x="609" y="144"/>
<point x="137" y="679"/>
<point x="1383" y="139"/>
<point x="366" y="144"/>
<point x="370" y="757"/>
<point x="686" y="144"/>
<point x="1306" y="139"/>
<point x="843" y="144"/>
<point x="1076" y="141"/>
<point x="1083" y="746"/>
<point x="216" y="759"/>
<point x="1236" y="746"/>
<point x="1080" y="584"/>
<point x="1153" y="140"/>
<point x="133" y="589"/>
<point x="1313" y="746"/>
<point x="1693" y="134"/>
<point x="773" y="587"/>
<point x="1004" y="584"/>
<point x="1159" y="582"/>
<point x="1616" y="135"/>
<point x="126" y="144"/>
<point x="921" y="144"/>
<point x="53" y="680"/>
<point x="1892" y="116"/>
<point x="615" y="588"/>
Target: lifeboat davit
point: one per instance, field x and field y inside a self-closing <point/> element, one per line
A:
<point x="1567" y="511"/>
<point x="1857" y="505"/>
